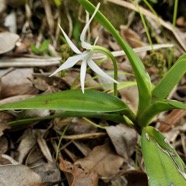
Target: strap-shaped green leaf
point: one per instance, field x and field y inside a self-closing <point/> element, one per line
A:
<point x="163" y="165"/>
<point x="157" y="107"/>
<point x="25" y="122"/>
<point x="71" y="100"/>
<point x="142" y="77"/>
<point x="173" y="76"/>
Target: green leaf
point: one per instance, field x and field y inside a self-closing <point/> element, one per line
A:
<point x="173" y="76"/>
<point x="158" y="107"/>
<point x="35" y="50"/>
<point x="44" y="46"/>
<point x="142" y="77"/>
<point x="22" y="123"/>
<point x="58" y="3"/>
<point x="71" y="100"/>
<point x="163" y="165"/>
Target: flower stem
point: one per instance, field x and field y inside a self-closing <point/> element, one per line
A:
<point x="110" y="55"/>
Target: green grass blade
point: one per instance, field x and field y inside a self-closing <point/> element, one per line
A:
<point x="142" y="77"/>
<point x="173" y="76"/>
<point x="71" y="100"/>
<point x="163" y="165"/>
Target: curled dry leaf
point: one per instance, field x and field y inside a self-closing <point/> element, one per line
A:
<point x="43" y="146"/>
<point x="103" y="160"/>
<point x="8" y="41"/>
<point x="28" y="140"/>
<point x="124" y="139"/>
<point x="78" y="176"/>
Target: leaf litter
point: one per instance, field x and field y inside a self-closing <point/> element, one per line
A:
<point x="87" y="155"/>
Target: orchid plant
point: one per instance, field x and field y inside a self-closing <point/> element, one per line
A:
<point x="167" y="168"/>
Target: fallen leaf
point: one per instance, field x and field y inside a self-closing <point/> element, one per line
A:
<point x="131" y="37"/>
<point x="28" y="140"/>
<point x="18" y="175"/>
<point x="103" y="160"/>
<point x="8" y="41"/>
<point x="43" y="145"/>
<point x="171" y="120"/>
<point x="123" y="138"/>
<point x="44" y="82"/>
<point x="48" y="172"/>
<point x="78" y="176"/>
<point x="130" y="96"/>
<point x="17" y="82"/>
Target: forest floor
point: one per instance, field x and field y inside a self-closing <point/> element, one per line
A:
<point x="82" y="151"/>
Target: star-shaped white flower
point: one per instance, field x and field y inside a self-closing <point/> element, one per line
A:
<point x="85" y="56"/>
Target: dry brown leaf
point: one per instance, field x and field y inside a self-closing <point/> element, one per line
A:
<point x="5" y="117"/>
<point x="171" y="120"/>
<point x="130" y="96"/>
<point x="103" y="160"/>
<point x="78" y="176"/>
<point x="43" y="146"/>
<point x="131" y="37"/>
<point x="28" y="140"/>
<point x="44" y="82"/>
<point x="35" y="157"/>
<point x="123" y="138"/>
<point x="17" y="82"/>
<point x="3" y="145"/>
<point x="8" y="41"/>
<point x="18" y="175"/>
<point x="80" y="126"/>
<point x="49" y="172"/>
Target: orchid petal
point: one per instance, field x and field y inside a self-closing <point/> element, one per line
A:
<point x="70" y="62"/>
<point x="71" y="44"/>
<point x="83" y="33"/>
<point x="98" y="70"/>
<point x="83" y="74"/>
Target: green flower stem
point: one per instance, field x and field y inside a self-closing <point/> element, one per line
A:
<point x="109" y="55"/>
<point x="175" y="13"/>
<point x="142" y="78"/>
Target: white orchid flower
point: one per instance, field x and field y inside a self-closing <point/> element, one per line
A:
<point x="85" y="56"/>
